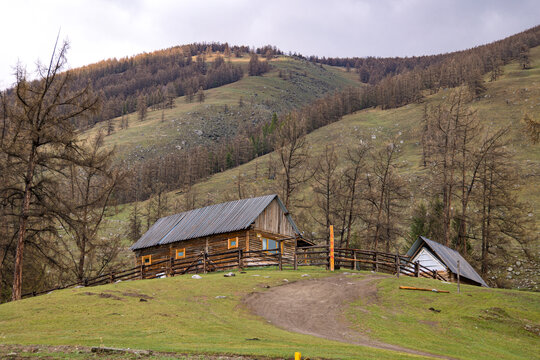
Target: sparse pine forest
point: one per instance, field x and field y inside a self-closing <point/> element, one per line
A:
<point x="384" y="149"/>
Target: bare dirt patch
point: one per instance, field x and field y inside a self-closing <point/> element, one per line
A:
<point x="316" y="307"/>
<point x="137" y="295"/>
<point x="102" y="295"/>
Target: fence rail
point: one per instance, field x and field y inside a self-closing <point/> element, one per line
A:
<point x="319" y="255"/>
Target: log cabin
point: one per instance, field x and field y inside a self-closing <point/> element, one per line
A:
<point x="444" y="260"/>
<point x="255" y="224"/>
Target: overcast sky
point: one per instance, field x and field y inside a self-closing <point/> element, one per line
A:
<point x="100" y="29"/>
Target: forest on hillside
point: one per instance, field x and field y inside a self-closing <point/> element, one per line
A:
<point x="396" y="89"/>
<point x="56" y="189"/>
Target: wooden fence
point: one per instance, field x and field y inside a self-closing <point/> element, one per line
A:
<point x="358" y="259"/>
<point x="355" y="259"/>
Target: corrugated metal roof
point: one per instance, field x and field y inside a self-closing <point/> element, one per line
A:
<point x="215" y="219"/>
<point x="450" y="258"/>
<point x="157" y="231"/>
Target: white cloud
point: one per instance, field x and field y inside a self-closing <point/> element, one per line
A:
<point x="102" y="29"/>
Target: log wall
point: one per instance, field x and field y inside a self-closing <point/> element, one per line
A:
<point x="274" y="220"/>
<point x="250" y="240"/>
<point x="210" y="244"/>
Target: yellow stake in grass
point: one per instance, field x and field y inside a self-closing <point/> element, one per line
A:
<point x="297" y="356"/>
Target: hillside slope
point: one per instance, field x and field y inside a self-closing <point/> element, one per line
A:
<point x="186" y="315"/>
<point x="290" y="84"/>
<point x="504" y="103"/>
<point x="180" y="314"/>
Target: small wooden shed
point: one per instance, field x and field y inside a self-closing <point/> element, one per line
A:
<point x="261" y="223"/>
<point x="444" y="260"/>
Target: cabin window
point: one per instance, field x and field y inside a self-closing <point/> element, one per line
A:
<point x="233" y="243"/>
<point x="146" y="260"/>
<point x="180" y="253"/>
<point x="269" y="244"/>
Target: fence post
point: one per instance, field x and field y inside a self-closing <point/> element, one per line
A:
<point x="398" y="269"/>
<point x="435" y="274"/>
<point x="280" y="260"/>
<point x="331" y="249"/>
<point x="111" y="277"/>
<point x="295" y="260"/>
<point x="142" y="271"/>
<point x="417" y="269"/>
<point x="353" y="267"/>
<point x="204" y="261"/>
<point x="376" y="261"/>
<point x="240" y="259"/>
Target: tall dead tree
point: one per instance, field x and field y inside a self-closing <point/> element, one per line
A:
<point x="292" y="150"/>
<point x="41" y="137"/>
<point x="446" y="122"/>
<point x="81" y="207"/>
<point x="353" y="181"/>
<point x="383" y="185"/>
<point x="506" y="222"/>
<point x="327" y="187"/>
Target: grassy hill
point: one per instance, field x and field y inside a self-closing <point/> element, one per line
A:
<point x="185" y="315"/>
<point x="504" y="103"/>
<point x="220" y="116"/>
<point x="478" y="323"/>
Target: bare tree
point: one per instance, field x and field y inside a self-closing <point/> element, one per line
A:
<point x="135" y="223"/>
<point x="110" y="126"/>
<point x="81" y="207"/>
<point x="531" y="128"/>
<point x="446" y="123"/>
<point x="505" y="220"/>
<point x="142" y="107"/>
<point x="292" y="149"/>
<point x="471" y="159"/>
<point x="158" y="204"/>
<point x="327" y="184"/>
<point x="350" y="197"/>
<point x="201" y="96"/>
<point x="385" y="189"/>
<point x="41" y="139"/>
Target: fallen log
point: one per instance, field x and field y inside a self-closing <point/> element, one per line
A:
<point x="423" y="289"/>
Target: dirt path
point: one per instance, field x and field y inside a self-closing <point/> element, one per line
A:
<point x="315" y="307"/>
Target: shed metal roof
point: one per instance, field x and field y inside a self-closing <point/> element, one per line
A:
<point x="215" y="219"/>
<point x="449" y="257"/>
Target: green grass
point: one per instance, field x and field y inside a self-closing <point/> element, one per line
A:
<point x="182" y="316"/>
<point x="479" y="323"/>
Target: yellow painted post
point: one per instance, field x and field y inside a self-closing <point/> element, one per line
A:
<point x="297" y="356"/>
<point x="331" y="247"/>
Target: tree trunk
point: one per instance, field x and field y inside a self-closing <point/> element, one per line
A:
<point x="351" y="208"/>
<point x="25" y="208"/>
